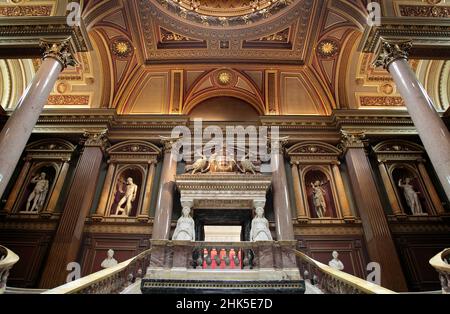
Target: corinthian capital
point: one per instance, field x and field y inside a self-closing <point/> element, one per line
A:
<point x="96" y="139"/>
<point x="390" y="51"/>
<point x="352" y="139"/>
<point x="60" y="51"/>
<point x="169" y="142"/>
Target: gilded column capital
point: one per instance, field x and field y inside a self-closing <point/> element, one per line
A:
<point x="95" y="139"/>
<point x="60" y="51"/>
<point x="352" y="139"/>
<point x="390" y="51"/>
<point x="278" y="144"/>
<point x="168" y="143"/>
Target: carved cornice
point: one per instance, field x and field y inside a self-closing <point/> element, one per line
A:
<point x="28" y="32"/>
<point x="418" y="225"/>
<point x="429" y="36"/>
<point x="334" y="228"/>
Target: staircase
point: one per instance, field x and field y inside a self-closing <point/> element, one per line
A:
<point x="129" y="277"/>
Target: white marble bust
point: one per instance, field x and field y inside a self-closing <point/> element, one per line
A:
<point x="109" y="261"/>
<point x="336" y="263"/>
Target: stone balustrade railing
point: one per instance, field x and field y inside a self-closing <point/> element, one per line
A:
<point x="223" y="256"/>
<point x="331" y="281"/>
<point x="108" y="281"/>
<point x="7" y="260"/>
<point x="441" y="263"/>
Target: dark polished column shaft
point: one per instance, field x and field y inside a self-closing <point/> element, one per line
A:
<point x="68" y="237"/>
<point x="380" y="243"/>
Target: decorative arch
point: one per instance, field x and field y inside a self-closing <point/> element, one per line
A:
<point x="399" y="147"/>
<point x="224" y="82"/>
<point x="133" y="151"/>
<point x="314" y="151"/>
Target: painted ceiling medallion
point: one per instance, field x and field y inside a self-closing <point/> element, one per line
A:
<point x="224" y="13"/>
<point x="328" y="48"/>
<point x="224" y="77"/>
<point x="122" y="48"/>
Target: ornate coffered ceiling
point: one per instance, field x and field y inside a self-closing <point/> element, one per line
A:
<point x="284" y="57"/>
<point x="282" y="29"/>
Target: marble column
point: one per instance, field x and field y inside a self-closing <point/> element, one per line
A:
<point x="164" y="204"/>
<point x="51" y="207"/>
<point x="432" y="130"/>
<point x="299" y="201"/>
<point x="343" y="200"/>
<point x="390" y="190"/>
<point x="435" y="199"/>
<point x="101" y="208"/>
<point x="68" y="236"/>
<point x="145" y="210"/>
<point x="17" y="186"/>
<point x="380" y="244"/>
<point x="17" y="130"/>
<point x="281" y="200"/>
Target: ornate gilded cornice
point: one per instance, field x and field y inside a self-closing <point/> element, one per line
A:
<point x="390" y="52"/>
<point x="22" y="36"/>
<point x="429" y="36"/>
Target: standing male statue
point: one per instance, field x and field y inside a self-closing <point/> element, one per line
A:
<point x="37" y="197"/>
<point x="128" y="199"/>
<point x="320" y="204"/>
<point x="411" y="196"/>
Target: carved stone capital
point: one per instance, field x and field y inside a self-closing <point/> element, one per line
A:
<point x="278" y="144"/>
<point x="95" y="139"/>
<point x="390" y="51"/>
<point x="352" y="139"/>
<point x="168" y="143"/>
<point x="60" y="51"/>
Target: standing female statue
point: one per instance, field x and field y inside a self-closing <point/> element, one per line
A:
<point x="185" y="230"/>
<point x="260" y="227"/>
<point x="411" y="196"/>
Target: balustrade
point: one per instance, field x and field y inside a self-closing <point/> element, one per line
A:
<point x="441" y="262"/>
<point x="7" y="260"/>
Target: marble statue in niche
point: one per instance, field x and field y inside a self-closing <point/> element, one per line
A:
<point x="109" y="261"/>
<point x="318" y="194"/>
<point x="411" y="196"/>
<point x="260" y="227"/>
<point x="36" y="200"/>
<point x="336" y="263"/>
<point x="127" y="199"/>
<point x="185" y="230"/>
